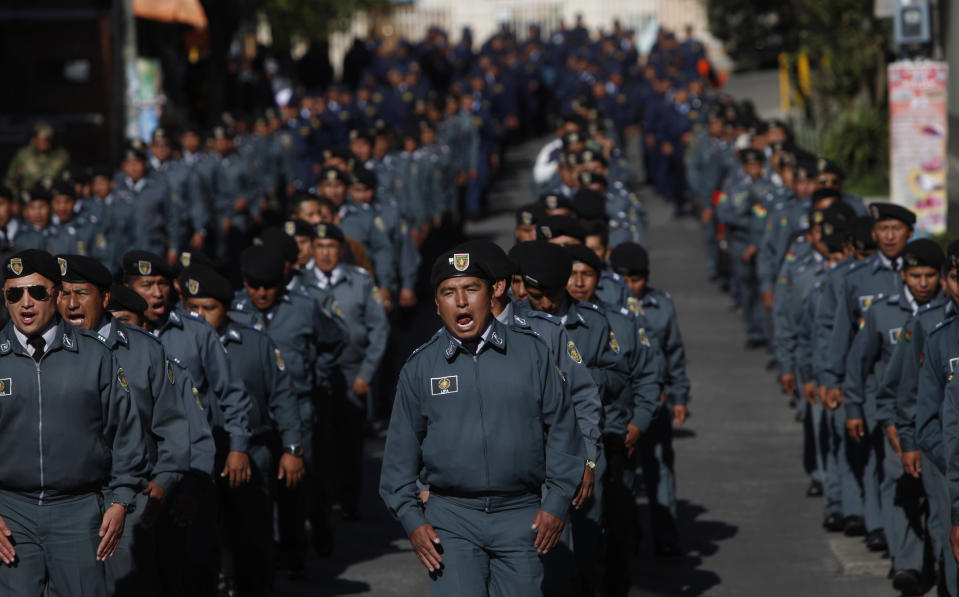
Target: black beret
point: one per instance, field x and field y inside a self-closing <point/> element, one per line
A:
<point x="332" y="173"/>
<point x="629" y="259"/>
<point x="102" y="172"/>
<point x="750" y="155"/>
<point x="31" y="261"/>
<point x="952" y="255"/>
<point x="281" y="241"/>
<point x="64" y="187"/>
<point x="367" y="134"/>
<point x="838" y="210"/>
<point x="338" y="152"/>
<point x="491" y="256"/>
<point x="145" y="263"/>
<point x="862" y="233"/>
<point x="329" y="231"/>
<point x="555" y="201"/>
<point x="199" y="281"/>
<point x="530" y="214"/>
<point x="457" y="264"/>
<point x="584" y="254"/>
<point x="223" y="132"/>
<point x="591" y="155"/>
<point x="589" y="204"/>
<point x="262" y="264"/>
<point x="188" y="258"/>
<point x="923" y="252"/>
<point x="298" y="227"/>
<point x="125" y="299"/>
<point x="41" y="191"/>
<point x="135" y="149"/>
<point x="805" y="168"/>
<point x="836" y="228"/>
<point x="80" y="268"/>
<point x="6" y="192"/>
<point x="544" y="265"/>
<point x="366" y="178"/>
<point x="823" y="194"/>
<point x="160" y="133"/>
<point x="891" y="211"/>
<point x="573" y="138"/>
<point x="588" y="178"/>
<point x="556" y="226"/>
<point x="827" y="166"/>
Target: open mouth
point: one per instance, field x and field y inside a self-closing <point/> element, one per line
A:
<point x="464" y="321"/>
<point x="28" y="317"/>
<point x="77" y="319"/>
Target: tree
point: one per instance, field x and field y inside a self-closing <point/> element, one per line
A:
<point x="754" y="31"/>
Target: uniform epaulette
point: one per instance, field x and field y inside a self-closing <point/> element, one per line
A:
<point x="858" y="265"/>
<point x="546" y="317"/>
<point x="893" y="300"/>
<point x="355" y="269"/>
<point x="943" y="324"/>
<point x="590" y="305"/>
<point x="432" y="339"/>
<point x="625" y="311"/>
<point x="140" y="331"/>
<point x="92" y="334"/>
<point x="191" y="315"/>
<point x="526" y="330"/>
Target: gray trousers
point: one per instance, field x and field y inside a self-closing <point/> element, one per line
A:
<point x="132" y="570"/>
<point x="902" y="512"/>
<point x="487" y="546"/>
<point x="940" y="523"/>
<point x="57" y="540"/>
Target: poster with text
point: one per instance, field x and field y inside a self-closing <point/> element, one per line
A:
<point x="918" y="129"/>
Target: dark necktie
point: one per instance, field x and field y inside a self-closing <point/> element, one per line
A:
<point x="38" y="343"/>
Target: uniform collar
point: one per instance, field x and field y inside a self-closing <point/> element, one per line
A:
<point x="117" y="334"/>
<point x="60" y="335"/>
<point x="172" y="320"/>
<point x="230" y="334"/>
<point x="573" y="316"/>
<point x="495" y="336"/>
<point x="883" y="262"/>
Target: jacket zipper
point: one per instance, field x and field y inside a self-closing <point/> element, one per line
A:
<point x="40" y="429"/>
<point x="479" y="394"/>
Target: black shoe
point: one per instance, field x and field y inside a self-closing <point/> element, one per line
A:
<point x="833" y="523"/>
<point x="815" y="489"/>
<point x="876" y="540"/>
<point x="854" y="526"/>
<point x="668" y="551"/>
<point x="907" y="582"/>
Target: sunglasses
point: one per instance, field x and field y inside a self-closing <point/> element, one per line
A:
<point x="15" y="293"/>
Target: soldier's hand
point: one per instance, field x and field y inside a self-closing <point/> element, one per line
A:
<point x="809" y="392"/>
<point x="788" y="383"/>
<point x="632" y="438"/>
<point x="833" y="398"/>
<point x="197" y="240"/>
<point x="748" y="253"/>
<point x="360" y="387"/>
<point x="7" y="552"/>
<point x="154" y="504"/>
<point x="291" y="470"/>
<point x="585" y="488"/>
<point x="706" y="216"/>
<point x="548" y="529"/>
<point x="237" y="470"/>
<point x="856" y="430"/>
<point x="424" y="495"/>
<point x="893" y="438"/>
<point x="386" y="299"/>
<point x="768" y="298"/>
<point x="424" y="540"/>
<point x="111" y="529"/>
<point x="954" y="542"/>
<point x="437" y="220"/>
<point x="407" y="298"/>
<point x="679" y="414"/>
<point x="912" y="463"/>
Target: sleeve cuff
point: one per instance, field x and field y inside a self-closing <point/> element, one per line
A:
<point x="291" y="437"/>
<point x="168" y="481"/>
<point x="556" y="503"/>
<point x="239" y="443"/>
<point x="592" y="449"/>
<point x="125" y="496"/>
<point x="413" y="519"/>
<point x="907" y="440"/>
<point x="642" y="420"/>
<point x="853" y="411"/>
<point x="366" y="373"/>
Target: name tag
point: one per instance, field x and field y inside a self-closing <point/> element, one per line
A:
<point x="6" y="387"/>
<point x="444" y="385"/>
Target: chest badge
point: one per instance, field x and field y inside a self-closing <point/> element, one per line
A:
<point x="6" y="387"/>
<point x="573" y="352"/>
<point x="444" y="385"/>
<point x="895" y="335"/>
<point x="866" y="301"/>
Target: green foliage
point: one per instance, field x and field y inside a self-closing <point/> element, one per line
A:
<point x="310" y="19"/>
<point x="859" y="139"/>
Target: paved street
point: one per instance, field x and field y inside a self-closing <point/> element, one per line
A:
<point x="745" y="522"/>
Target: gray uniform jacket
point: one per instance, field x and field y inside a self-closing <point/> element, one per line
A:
<point x="497" y="423"/>
<point x="67" y="422"/>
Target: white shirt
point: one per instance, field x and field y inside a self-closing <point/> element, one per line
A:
<point x="48" y="335"/>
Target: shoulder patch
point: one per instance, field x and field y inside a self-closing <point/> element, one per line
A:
<point x="280" y="364"/>
<point x="122" y="378"/>
<point x="643" y="337"/>
<point x="613" y="343"/>
<point x="573" y="353"/>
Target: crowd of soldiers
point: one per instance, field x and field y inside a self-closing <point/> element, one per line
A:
<point x="240" y="285"/>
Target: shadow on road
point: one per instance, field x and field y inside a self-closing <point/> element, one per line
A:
<point x="683" y="576"/>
